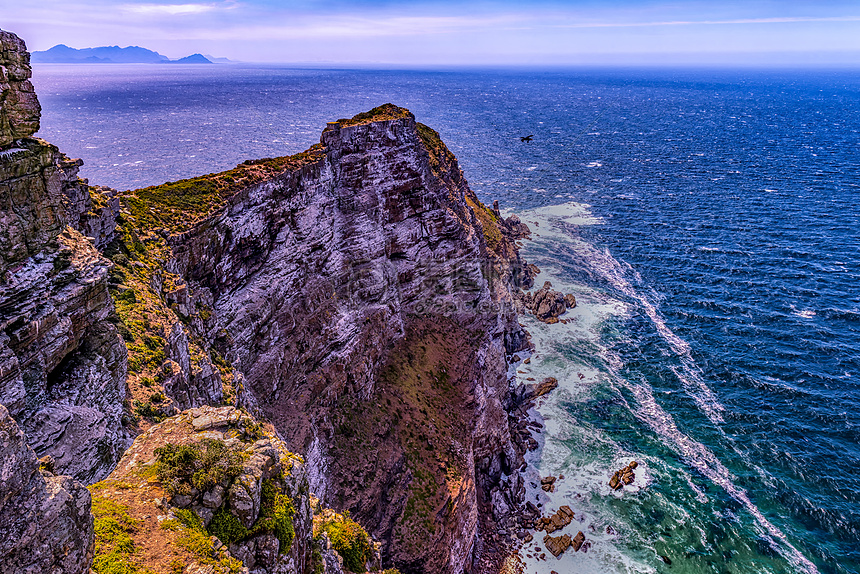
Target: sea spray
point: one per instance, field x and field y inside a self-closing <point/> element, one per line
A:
<point x="633" y="529"/>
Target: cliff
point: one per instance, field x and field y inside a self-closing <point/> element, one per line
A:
<point x="358" y="296"/>
<point x="62" y="365"/>
<point x="47" y="526"/>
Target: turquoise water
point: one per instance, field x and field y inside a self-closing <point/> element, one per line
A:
<point x="707" y="221"/>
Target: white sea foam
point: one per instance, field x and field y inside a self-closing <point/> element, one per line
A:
<point x="594" y="309"/>
<point x="802" y="313"/>
<point x="702" y="459"/>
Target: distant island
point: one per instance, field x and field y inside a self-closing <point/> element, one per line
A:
<point x="62" y="54"/>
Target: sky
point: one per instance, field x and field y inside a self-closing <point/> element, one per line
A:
<point x="455" y="32"/>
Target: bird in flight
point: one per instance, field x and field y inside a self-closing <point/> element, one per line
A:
<point x="527" y="138"/>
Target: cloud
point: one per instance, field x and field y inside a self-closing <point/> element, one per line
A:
<point x="169" y="9"/>
<point x="788" y="20"/>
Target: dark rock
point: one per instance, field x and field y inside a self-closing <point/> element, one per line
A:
<point x="46" y="520"/>
<point x="546" y="304"/>
<point x="557" y="544"/>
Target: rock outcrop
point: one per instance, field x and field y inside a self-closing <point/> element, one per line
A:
<point x="62" y="364"/>
<point x="546" y="303"/>
<point x="46" y="521"/>
<point x="240" y="506"/>
<point x="359" y="296"/>
<point x="19" y="107"/>
<point x="215" y="490"/>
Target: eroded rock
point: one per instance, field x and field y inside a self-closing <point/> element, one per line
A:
<point x="546" y="303"/>
<point x="62" y="364"/>
<point x="19" y="107"/>
<point x="46" y="521"/>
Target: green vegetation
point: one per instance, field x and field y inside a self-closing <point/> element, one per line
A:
<point x="377" y="114"/>
<point x="194" y="539"/>
<point x="98" y="199"/>
<point x="178" y="205"/>
<point x="145" y="409"/>
<point x="114" y="545"/>
<point x="489" y="223"/>
<point x="350" y="540"/>
<point x="201" y="465"/>
<point x="276" y="516"/>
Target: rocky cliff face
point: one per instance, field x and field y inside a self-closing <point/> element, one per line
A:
<point x="47" y="526"/>
<point x="19" y="107"/>
<point x="62" y="365"/>
<point x="361" y="296"/>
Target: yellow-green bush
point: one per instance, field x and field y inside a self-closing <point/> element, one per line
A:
<point x="201" y="465"/>
<point x="195" y="539"/>
<point x="276" y="516"/>
<point x="351" y="541"/>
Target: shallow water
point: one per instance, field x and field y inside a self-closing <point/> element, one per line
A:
<point x="706" y="220"/>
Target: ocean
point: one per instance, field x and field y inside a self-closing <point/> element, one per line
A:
<point x="707" y="222"/>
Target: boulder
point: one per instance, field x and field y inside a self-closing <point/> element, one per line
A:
<point x="623" y="476"/>
<point x="557" y="544"/>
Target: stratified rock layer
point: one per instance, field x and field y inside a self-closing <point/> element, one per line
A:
<point x="46" y="521"/>
<point x="19" y="107"/>
<point x="62" y="364"/>
<point x="362" y="275"/>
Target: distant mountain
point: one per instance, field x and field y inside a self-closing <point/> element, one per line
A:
<point x="62" y="54"/>
<point x="192" y="59"/>
<point x="215" y="60"/>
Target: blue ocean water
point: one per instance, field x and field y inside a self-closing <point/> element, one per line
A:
<point x="707" y="221"/>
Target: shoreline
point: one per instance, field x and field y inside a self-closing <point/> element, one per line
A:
<point x="545" y="425"/>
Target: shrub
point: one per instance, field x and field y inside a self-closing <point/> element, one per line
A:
<point x="200" y="465"/>
<point x="351" y="541"/>
<point x="227" y="527"/>
<point x="280" y="508"/>
<point x="194" y="538"/>
<point x="276" y="516"/>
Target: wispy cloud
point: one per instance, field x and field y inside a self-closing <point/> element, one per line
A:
<point x="353" y="27"/>
<point x="788" y="20"/>
<point x="169" y="9"/>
